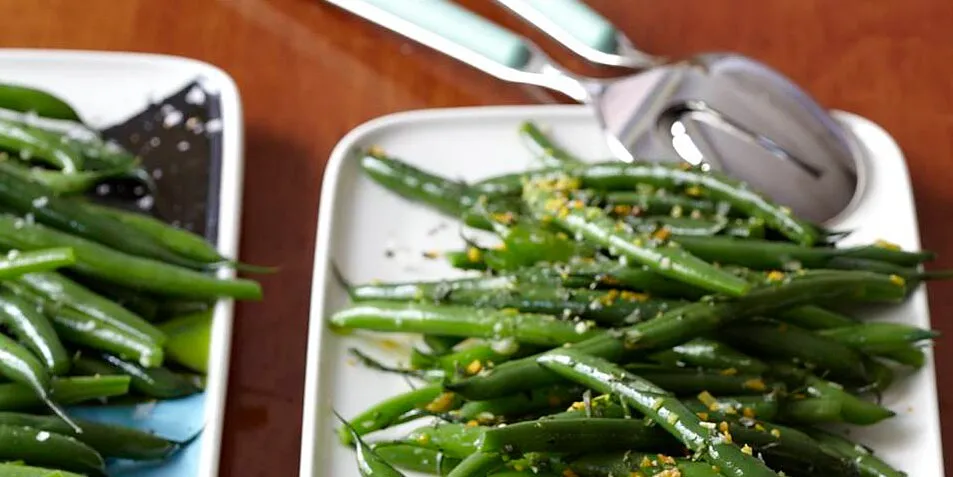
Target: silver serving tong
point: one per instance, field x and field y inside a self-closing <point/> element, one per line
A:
<point x="725" y="111"/>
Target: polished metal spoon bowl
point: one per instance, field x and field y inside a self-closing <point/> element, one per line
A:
<point x="725" y="111"/>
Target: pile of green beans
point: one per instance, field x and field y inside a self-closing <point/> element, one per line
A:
<point x="633" y="320"/>
<point x="97" y="305"/>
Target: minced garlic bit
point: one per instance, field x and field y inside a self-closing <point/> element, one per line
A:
<point x="645" y="462"/>
<point x="666" y="459"/>
<point x="474" y="367"/>
<point x="442" y="403"/>
<point x="755" y="384"/>
<point x="669" y="473"/>
<point x="708" y="425"/>
<point x="746" y="449"/>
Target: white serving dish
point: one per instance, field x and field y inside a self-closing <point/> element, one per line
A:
<point x="360" y="220"/>
<point x="107" y="88"/>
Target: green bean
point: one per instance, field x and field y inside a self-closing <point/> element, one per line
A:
<point x="48" y="449"/>
<point x="658" y="405"/>
<point x="815" y="318"/>
<point x="789" y="449"/>
<point x="180" y="241"/>
<point x="811" y="410"/>
<point x="62" y="183"/>
<point x="706" y="353"/>
<point x="416" y="458"/>
<point x="152" y="382"/>
<point x="768" y="255"/>
<point x="387" y="412"/>
<point x="112" y="266"/>
<point x="427" y="291"/>
<point x="663" y="257"/>
<point x="107" y="439"/>
<point x="63" y="292"/>
<point x="663" y="202"/>
<point x="866" y="463"/>
<point x="478" y="464"/>
<point x="440" y="345"/>
<point x="874" y="337"/>
<point x="677" y="326"/>
<point x="521" y="404"/>
<point x="19" y="263"/>
<point x="74" y="390"/>
<point x="681" y="381"/>
<point x="461" y="321"/>
<point x="628" y="463"/>
<point x="608" y="275"/>
<point x="25" y="99"/>
<point x="448" y="197"/>
<point x="369" y="463"/>
<point x="909" y="356"/>
<point x="783" y="341"/>
<point x="577" y="436"/>
<point x="854" y="410"/>
<point x="147" y="307"/>
<point x="84" y="330"/>
<point x="610" y="176"/>
<point x="190" y="337"/>
<point x="34" y="331"/>
<point x="455" y="440"/>
<point x="543" y="147"/>
<point x="34" y="144"/>
<point x="19" y="470"/>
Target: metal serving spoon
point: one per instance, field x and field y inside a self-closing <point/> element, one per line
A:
<point x="723" y="110"/>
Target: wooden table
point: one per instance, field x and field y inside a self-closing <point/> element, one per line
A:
<point x="308" y="73"/>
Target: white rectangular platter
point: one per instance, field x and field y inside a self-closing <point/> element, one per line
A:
<point x="361" y="222"/>
<point x="107" y="88"/>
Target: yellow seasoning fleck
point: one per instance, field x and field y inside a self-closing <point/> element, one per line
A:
<point x="645" y="462"/>
<point x="702" y="415"/>
<point x="729" y="372"/>
<point x="563" y="212"/>
<point x="755" y="384"/>
<point x="775" y="432"/>
<point x="633" y="296"/>
<point x="442" y="403"/>
<point x="775" y="276"/>
<point x="759" y="427"/>
<point x="885" y="244"/>
<point x="474" y="254"/>
<point x="578" y="406"/>
<point x="746" y="449"/>
<point x="431" y="254"/>
<point x="472" y="423"/>
<point x="694" y="191"/>
<point x="569" y="473"/>
<point x="666" y="459"/>
<point x="669" y="473"/>
<point x="474" y="367"/>
<point x="748" y="412"/>
<point x="423" y="439"/>
<point x="897" y="280"/>
<point x="376" y="150"/>
<point x="662" y="234"/>
<point x="707" y="399"/>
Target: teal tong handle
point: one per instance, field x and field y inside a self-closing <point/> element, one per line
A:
<point x="461" y="34"/>
<point x="446" y="27"/>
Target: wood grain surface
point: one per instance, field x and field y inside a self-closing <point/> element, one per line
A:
<point x="308" y="73"/>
